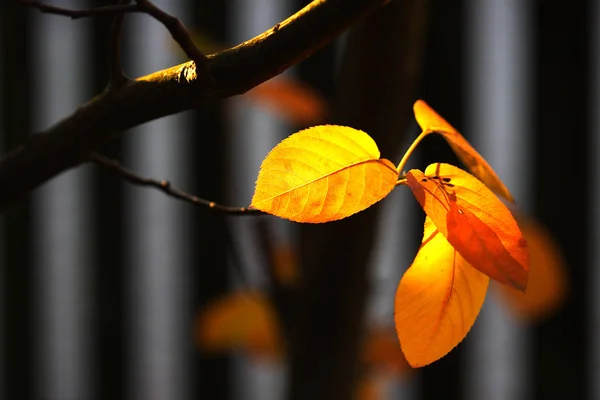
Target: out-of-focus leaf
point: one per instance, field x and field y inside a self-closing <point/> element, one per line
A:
<point x="285" y="258"/>
<point x="430" y="121"/>
<point x="474" y="221"/>
<point x="293" y="100"/>
<point x="381" y="353"/>
<point x="370" y="387"/>
<point x="289" y="98"/>
<point x="244" y="321"/>
<point x="323" y="174"/>
<point x="548" y="282"/>
<point x="438" y="300"/>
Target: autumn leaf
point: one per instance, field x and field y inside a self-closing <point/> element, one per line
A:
<point x="430" y="121"/>
<point x="321" y="174"/>
<point x="291" y="99"/>
<point x="475" y="222"/>
<point x="287" y="96"/>
<point x="370" y="387"/>
<point x="437" y="301"/>
<point x="381" y="352"/>
<point x="285" y="265"/>
<point x="243" y="320"/>
<point x="547" y="285"/>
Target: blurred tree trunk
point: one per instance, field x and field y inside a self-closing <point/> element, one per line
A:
<point x="375" y="94"/>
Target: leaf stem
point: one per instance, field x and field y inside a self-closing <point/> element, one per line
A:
<point x="411" y="149"/>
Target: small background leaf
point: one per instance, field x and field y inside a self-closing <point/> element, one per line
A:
<point x="438" y="300"/>
<point x="430" y="121"/>
<point x="322" y="174"/>
<point x="548" y="282"/>
<point x="290" y="99"/>
<point x="242" y="320"/>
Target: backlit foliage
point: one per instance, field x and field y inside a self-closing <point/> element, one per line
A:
<point x="326" y="173"/>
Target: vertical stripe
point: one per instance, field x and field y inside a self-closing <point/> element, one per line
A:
<point x="498" y="118"/>
<point x="157" y="250"/>
<point x="17" y="291"/>
<point x="256" y="131"/>
<point x="2" y="228"/>
<point x="393" y="254"/>
<point x="62" y="234"/>
<point x="594" y="226"/>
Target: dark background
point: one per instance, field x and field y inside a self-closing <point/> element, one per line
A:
<point x="562" y="89"/>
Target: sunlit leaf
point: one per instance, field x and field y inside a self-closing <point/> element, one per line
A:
<point x="430" y="121"/>
<point x="547" y="286"/>
<point x="322" y="174"/>
<point x="438" y="300"/>
<point x="291" y="99"/>
<point x="479" y="226"/>
<point x="381" y="352"/>
<point x="243" y="321"/>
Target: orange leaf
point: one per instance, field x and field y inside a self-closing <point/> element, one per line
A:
<point x="430" y="121"/>
<point x="438" y="300"/>
<point x="285" y="268"/>
<point x="380" y="352"/>
<point x="547" y="285"/>
<point x="242" y="320"/>
<point x="291" y="99"/>
<point x="322" y="174"/>
<point x="479" y="226"/>
<point x="370" y="387"/>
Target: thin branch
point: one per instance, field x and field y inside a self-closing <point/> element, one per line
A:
<point x="179" y="33"/>
<point x="76" y="14"/>
<point x="165" y="187"/>
<point x="70" y="142"/>
<point x="177" y="30"/>
<point x="117" y="77"/>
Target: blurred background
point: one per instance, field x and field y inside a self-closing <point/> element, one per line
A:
<point x="110" y="291"/>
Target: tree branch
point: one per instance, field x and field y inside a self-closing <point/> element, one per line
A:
<point x="179" y="33"/>
<point x="117" y="77"/>
<point x="165" y="187"/>
<point x="232" y="72"/>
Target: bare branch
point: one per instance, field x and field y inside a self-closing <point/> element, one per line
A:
<point x="117" y="77"/>
<point x="76" y="14"/>
<point x="70" y="142"/>
<point x="179" y="33"/>
<point x="165" y="187"/>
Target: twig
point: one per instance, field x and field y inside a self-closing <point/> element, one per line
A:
<point x="180" y="34"/>
<point x="76" y="14"/>
<point x="177" y="30"/>
<point x="117" y="77"/>
<point x="69" y="143"/>
<point x="165" y="187"/>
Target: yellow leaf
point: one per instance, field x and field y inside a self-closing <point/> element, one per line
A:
<point x="243" y="320"/>
<point x="547" y="285"/>
<point x="479" y="226"/>
<point x="438" y="300"/>
<point x="291" y="99"/>
<point x="430" y="121"/>
<point x="323" y="174"/>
